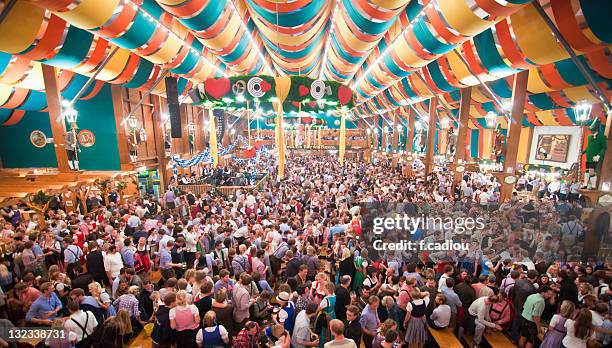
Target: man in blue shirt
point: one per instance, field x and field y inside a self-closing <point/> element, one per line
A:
<point x="44" y="310"/>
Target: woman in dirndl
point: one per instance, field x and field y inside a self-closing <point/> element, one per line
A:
<point x="327" y="306"/>
<point x="416" y="322"/>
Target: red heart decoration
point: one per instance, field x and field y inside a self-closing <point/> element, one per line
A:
<point x="307" y="119"/>
<point x="303" y="90"/>
<point x="344" y="95"/>
<point x="265" y="86"/>
<point x="296" y="104"/>
<point x="312" y="104"/>
<point x="217" y="88"/>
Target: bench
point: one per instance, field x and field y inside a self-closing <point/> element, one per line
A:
<point x="445" y="338"/>
<point x="468" y="339"/>
<point x="497" y="339"/>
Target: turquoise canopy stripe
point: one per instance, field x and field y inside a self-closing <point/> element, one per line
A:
<point x="541" y="101"/>
<point x="489" y="55"/>
<point x="500" y="87"/>
<point x="429" y="42"/>
<point x="289" y="19"/>
<point x="570" y="73"/>
<point x="344" y="55"/>
<point x="597" y="14"/>
<point x="438" y="78"/>
<point x="139" y="33"/>
<point x="36" y="101"/>
<point x="393" y="67"/>
<point x="207" y="17"/>
<point x="74" y="50"/>
<point x="474" y="138"/>
<point x="145" y="68"/>
<point x="364" y="24"/>
<point x="371" y="79"/>
<point x="391" y="99"/>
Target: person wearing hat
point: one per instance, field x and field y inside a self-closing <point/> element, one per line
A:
<point x="595" y="150"/>
<point x="286" y="314"/>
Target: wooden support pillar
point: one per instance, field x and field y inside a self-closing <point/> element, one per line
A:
<point x="376" y="131"/>
<point x="395" y="138"/>
<point x="431" y="136"/>
<point x="411" y="129"/>
<point x="58" y="126"/>
<point x="462" y="131"/>
<point x="185" y="121"/>
<point x="160" y="150"/>
<point x="226" y="134"/>
<point x="519" y="92"/>
<point x="200" y="131"/>
<point x="122" y="142"/>
<point x="383" y="134"/>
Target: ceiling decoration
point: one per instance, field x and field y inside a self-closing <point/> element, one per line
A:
<point x="392" y="53"/>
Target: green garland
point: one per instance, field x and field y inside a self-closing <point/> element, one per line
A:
<point x="232" y="94"/>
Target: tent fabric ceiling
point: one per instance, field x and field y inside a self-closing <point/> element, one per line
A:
<point x="391" y="52"/>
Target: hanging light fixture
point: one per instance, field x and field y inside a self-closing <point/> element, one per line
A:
<point x="132" y="122"/>
<point x="70" y="115"/>
<point x="582" y="110"/>
<point x="444" y="123"/>
<point x="491" y="119"/>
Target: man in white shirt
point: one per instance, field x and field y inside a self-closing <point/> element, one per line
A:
<point x="448" y="272"/>
<point x="302" y="334"/>
<point x="441" y="316"/>
<point x="80" y="325"/>
<point x="480" y="311"/>
<point x="337" y="330"/>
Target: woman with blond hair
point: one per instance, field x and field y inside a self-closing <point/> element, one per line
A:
<point x="416" y="322"/>
<point x="556" y="330"/>
<point x="102" y="297"/>
<point x="212" y="335"/>
<point x="185" y="319"/>
<point x="317" y="289"/>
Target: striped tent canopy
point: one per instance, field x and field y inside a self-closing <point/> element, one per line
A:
<point x="393" y="54"/>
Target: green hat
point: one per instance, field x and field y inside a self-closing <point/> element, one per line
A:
<point x="595" y="125"/>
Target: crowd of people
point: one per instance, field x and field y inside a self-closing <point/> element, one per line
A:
<point x="288" y="265"/>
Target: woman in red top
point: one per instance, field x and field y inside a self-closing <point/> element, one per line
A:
<point x="142" y="258"/>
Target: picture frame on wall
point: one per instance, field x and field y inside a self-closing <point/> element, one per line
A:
<point x="553" y="147"/>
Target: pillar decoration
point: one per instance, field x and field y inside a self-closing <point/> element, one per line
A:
<point x="212" y="136"/>
<point x="283" y="84"/>
<point x="519" y="93"/>
<point x="58" y="126"/>
<point x="411" y="128"/>
<point x="431" y="136"/>
<point x="395" y="140"/>
<point x="342" y="144"/>
<point x="462" y="131"/>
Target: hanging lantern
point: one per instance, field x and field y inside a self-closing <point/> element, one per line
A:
<point x="444" y="123"/>
<point x="70" y="115"/>
<point x="491" y="119"/>
<point x="132" y="122"/>
<point x="582" y="110"/>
